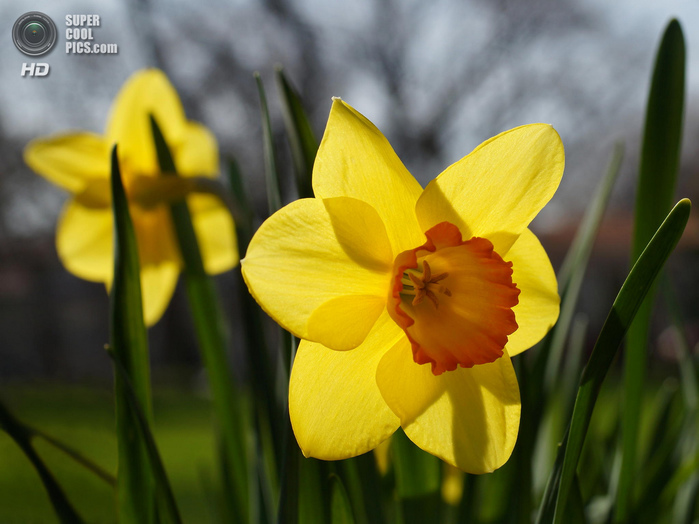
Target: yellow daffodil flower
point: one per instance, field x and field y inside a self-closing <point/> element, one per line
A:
<point x="409" y="303"/>
<point x="80" y="163"/>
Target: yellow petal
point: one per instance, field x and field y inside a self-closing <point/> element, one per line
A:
<point x="336" y="408"/>
<point x="215" y="231"/>
<point x="468" y="417"/>
<point x="146" y="92"/>
<point x="197" y="155"/>
<point x="538" y="306"/>
<point x="158" y="283"/>
<point x="495" y="191"/>
<point x="84" y="242"/>
<point x="356" y="160"/>
<point x="70" y="161"/>
<point x="313" y="251"/>
<point x="85" y="246"/>
<point x="338" y="324"/>
<point x="155" y="235"/>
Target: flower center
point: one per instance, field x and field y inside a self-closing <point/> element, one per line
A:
<point x="421" y="285"/>
<point x="468" y="315"/>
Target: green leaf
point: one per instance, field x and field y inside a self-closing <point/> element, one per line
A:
<point x="269" y="426"/>
<point x="688" y="370"/>
<point x="659" y="465"/>
<point x="572" y="272"/>
<point x="538" y="383"/>
<point x="243" y="214"/>
<point x="418" y="480"/>
<point x="130" y="345"/>
<point x="274" y="198"/>
<point x="313" y="491"/>
<point x="548" y="501"/>
<point x="211" y="335"/>
<point x="76" y="456"/>
<point x="687" y="445"/>
<point x="302" y="141"/>
<point x="363" y="482"/>
<point x="656" y="188"/>
<point x="340" y="507"/>
<point x="167" y="508"/>
<point x="625" y="306"/>
<point x="303" y="493"/>
<point x="22" y="436"/>
<point x="289" y="489"/>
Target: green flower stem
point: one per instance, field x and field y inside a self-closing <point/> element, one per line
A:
<point x="211" y="335"/>
<point x="269" y="423"/>
<point x="418" y="480"/>
<point x="167" y="508"/>
<point x="129" y="343"/>
<point x="19" y="428"/>
<point x="76" y="456"/>
<point x="22" y="436"/>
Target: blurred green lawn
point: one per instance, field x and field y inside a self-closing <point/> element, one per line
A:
<point x="84" y="419"/>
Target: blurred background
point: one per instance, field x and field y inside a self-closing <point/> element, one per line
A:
<point x="437" y="78"/>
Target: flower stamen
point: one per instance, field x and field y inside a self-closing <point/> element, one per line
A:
<point x="418" y="284"/>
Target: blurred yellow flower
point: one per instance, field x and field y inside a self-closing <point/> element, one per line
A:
<point x="379" y="277"/>
<point x="80" y="162"/>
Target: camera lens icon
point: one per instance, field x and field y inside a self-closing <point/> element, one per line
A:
<point x="34" y="33"/>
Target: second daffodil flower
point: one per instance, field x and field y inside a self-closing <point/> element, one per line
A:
<point x="80" y="163"/>
<point x="410" y="302"/>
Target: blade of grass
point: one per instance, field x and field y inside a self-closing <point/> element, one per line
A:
<point x="271" y="174"/>
<point x="22" y="437"/>
<point x="625" y="306"/>
<point x="211" y="336"/>
<point x="656" y="188"/>
<point x="302" y="141"/>
<point x="167" y="508"/>
<point x="130" y="345"/>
